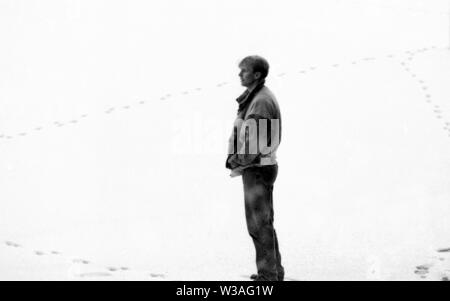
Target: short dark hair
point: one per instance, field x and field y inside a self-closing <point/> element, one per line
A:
<point x="257" y="63"/>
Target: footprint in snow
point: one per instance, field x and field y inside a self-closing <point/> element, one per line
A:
<point x="444" y="250"/>
<point x="12" y="244"/>
<point x="116" y="269"/>
<point x="423" y="270"/>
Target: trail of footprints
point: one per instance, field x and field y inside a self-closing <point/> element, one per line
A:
<point x="435" y="108"/>
<point x="107" y="271"/>
<point x="438" y="269"/>
<point x="126" y="107"/>
<point x="422" y="271"/>
<point x="110" y="110"/>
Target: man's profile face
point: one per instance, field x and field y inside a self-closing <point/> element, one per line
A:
<point x="248" y="77"/>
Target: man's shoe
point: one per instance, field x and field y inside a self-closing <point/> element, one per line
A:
<point x="255" y="276"/>
<point x="262" y="278"/>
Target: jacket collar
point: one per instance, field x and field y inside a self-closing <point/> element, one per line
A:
<point x="245" y="98"/>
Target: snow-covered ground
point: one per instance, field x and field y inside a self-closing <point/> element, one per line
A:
<point x="114" y="119"/>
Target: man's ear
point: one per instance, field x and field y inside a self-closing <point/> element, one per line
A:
<point x="257" y="75"/>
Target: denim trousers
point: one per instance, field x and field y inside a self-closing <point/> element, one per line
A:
<point x="258" y="195"/>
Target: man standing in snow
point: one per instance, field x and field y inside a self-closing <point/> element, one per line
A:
<point x="252" y="154"/>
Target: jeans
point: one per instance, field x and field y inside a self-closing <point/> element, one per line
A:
<point x="258" y="195"/>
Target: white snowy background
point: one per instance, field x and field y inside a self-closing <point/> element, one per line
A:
<point x="114" y="119"/>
